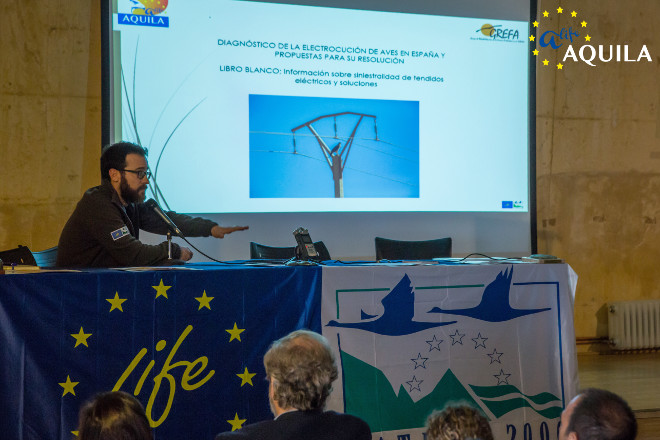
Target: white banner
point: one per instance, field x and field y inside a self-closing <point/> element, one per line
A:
<point x="413" y="339"/>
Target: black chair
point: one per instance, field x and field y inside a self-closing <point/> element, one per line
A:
<point x="263" y="252"/>
<point x="387" y="249"/>
<point x="46" y="258"/>
<point x="20" y="255"/>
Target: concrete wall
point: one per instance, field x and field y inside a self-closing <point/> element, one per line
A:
<point x="50" y="115"/>
<point x="598" y="157"/>
<point x="598" y="141"/>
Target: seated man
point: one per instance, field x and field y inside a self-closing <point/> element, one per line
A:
<point x="301" y="368"/>
<point x="103" y="230"/>
<point x="458" y="423"/>
<point x="597" y="414"/>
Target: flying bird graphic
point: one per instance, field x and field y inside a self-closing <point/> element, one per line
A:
<point x="397" y="318"/>
<point x="495" y="305"/>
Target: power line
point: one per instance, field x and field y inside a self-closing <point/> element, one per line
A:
<point x="343" y="138"/>
<point x="322" y="161"/>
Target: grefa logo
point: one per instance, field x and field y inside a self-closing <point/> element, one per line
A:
<point x="587" y="53"/>
<point x="498" y="33"/>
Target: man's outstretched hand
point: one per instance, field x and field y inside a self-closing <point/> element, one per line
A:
<point x="221" y="231"/>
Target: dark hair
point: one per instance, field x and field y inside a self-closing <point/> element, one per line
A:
<point x="115" y="415"/>
<point x="302" y="368"/>
<point x="458" y="423"/>
<point x="602" y="415"/>
<point x="114" y="156"/>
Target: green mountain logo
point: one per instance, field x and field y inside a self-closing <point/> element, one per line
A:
<point x="395" y="412"/>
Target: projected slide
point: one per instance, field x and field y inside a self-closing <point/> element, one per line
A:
<point x="260" y="107"/>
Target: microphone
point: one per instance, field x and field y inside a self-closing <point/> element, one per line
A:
<point x="153" y="205"/>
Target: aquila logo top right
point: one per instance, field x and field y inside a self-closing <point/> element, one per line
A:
<point x="570" y="35"/>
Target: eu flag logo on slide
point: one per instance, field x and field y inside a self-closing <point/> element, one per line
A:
<point x="507" y="204"/>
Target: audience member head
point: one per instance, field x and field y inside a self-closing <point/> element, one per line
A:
<point x="115" y="415"/>
<point x="114" y="156"/>
<point x="458" y="423"/>
<point x="597" y="415"/>
<point x="301" y="368"/>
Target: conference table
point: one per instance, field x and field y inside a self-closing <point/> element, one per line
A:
<point x="188" y="342"/>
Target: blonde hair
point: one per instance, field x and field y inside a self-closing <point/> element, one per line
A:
<point x="458" y="423"/>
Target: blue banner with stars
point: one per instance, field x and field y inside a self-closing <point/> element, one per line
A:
<point x="187" y="343"/>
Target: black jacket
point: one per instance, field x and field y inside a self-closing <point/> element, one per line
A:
<point x="101" y="232"/>
<point x="304" y="425"/>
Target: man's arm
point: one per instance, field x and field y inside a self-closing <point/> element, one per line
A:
<point x="190" y="226"/>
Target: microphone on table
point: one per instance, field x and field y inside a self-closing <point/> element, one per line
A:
<point x="153" y="205"/>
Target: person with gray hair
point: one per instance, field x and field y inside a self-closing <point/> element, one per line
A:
<point x="458" y="423"/>
<point x="596" y="414"/>
<point x="300" y="368"/>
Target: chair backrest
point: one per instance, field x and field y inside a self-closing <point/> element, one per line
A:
<point x="20" y="255"/>
<point x="46" y="258"/>
<point x="263" y="252"/>
<point x="387" y="249"/>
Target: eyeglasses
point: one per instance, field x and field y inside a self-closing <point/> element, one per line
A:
<point x="141" y="174"/>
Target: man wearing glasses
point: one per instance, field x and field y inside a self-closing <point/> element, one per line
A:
<point x="103" y="230"/>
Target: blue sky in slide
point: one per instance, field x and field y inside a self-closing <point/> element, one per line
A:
<point x="386" y="166"/>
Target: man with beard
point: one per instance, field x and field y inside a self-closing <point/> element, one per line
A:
<point x="103" y="230"/>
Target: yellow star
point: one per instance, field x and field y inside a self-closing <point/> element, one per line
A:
<point x="584" y="23"/>
<point x="536" y="23"/>
<point x="75" y="433"/>
<point x="573" y="14"/>
<point x="246" y="377"/>
<point x="587" y="38"/>
<point x="81" y="338"/>
<point x="236" y="423"/>
<point x="161" y="289"/>
<point x="531" y="38"/>
<point x="560" y="66"/>
<point x="546" y="62"/>
<point x="204" y="301"/>
<point x="235" y="333"/>
<point x="68" y="386"/>
<point x="546" y="13"/>
<point x="116" y="302"/>
<point x="559" y="10"/>
<point x="535" y="52"/>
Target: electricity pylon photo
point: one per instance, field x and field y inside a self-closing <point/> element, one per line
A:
<point x="337" y="156"/>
